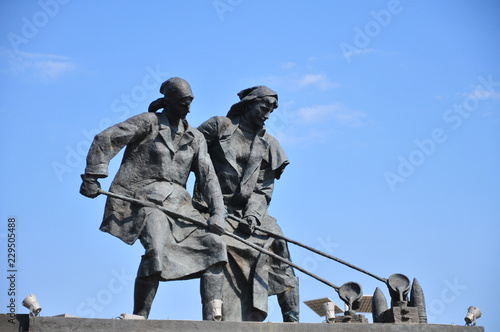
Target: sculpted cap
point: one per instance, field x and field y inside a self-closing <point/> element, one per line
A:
<point x="175" y="88"/>
<point x="249" y="95"/>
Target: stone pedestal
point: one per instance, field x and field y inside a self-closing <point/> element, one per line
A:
<point x="51" y="324"/>
<point x="14" y="323"/>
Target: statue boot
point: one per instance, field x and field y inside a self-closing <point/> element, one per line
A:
<point x="144" y="294"/>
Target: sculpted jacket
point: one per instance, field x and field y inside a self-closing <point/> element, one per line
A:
<point x="246" y="191"/>
<point x="155" y="167"/>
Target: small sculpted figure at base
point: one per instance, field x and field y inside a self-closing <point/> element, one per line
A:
<point x="161" y="151"/>
<point x="247" y="160"/>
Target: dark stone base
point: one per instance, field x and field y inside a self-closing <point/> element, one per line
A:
<point x="14" y="323"/>
<point x="46" y="324"/>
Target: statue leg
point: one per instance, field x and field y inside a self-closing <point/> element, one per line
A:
<point x="144" y="294"/>
<point x="211" y="292"/>
<point x="147" y="281"/>
<point x="289" y="298"/>
<point x="289" y="303"/>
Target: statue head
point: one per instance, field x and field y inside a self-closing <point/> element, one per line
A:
<point x="177" y="96"/>
<point x="175" y="88"/>
<point x="255" y="105"/>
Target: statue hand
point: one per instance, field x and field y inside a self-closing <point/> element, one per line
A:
<point x="90" y="186"/>
<point x="247" y="226"/>
<point x="216" y="224"/>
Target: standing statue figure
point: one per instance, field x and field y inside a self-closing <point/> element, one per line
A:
<point x="247" y="160"/>
<point x="161" y="150"/>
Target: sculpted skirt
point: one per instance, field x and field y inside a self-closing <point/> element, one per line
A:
<point x="175" y="249"/>
<point x="252" y="276"/>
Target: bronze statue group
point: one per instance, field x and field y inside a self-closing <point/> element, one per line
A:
<point x="235" y="162"/>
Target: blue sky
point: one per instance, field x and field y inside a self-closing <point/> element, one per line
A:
<point x="388" y="111"/>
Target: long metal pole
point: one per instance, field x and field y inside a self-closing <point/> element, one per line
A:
<point x="204" y="225"/>
<point x="384" y="280"/>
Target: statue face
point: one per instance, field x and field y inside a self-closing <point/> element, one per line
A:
<point x="179" y="108"/>
<point x="259" y="111"/>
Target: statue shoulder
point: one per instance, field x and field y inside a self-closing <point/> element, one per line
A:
<point x="146" y="118"/>
<point x="217" y="120"/>
<point x="274" y="145"/>
<point x="276" y="156"/>
<point x="216" y="126"/>
<point x="137" y="122"/>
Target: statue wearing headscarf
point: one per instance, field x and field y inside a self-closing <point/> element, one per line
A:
<point x="161" y="151"/>
<point x="247" y="160"/>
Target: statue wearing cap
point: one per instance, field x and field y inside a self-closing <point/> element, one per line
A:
<point x="161" y="151"/>
<point x="247" y="160"/>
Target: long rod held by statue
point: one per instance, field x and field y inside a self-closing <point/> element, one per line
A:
<point x="204" y="225"/>
<point x="397" y="283"/>
<point x="279" y="236"/>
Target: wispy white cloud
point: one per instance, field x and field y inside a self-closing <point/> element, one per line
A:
<point x="52" y="70"/>
<point x="295" y="82"/>
<point x="475" y="92"/>
<point x="315" y="113"/>
<point x="42" y="66"/>
<point x="28" y="55"/>
<point x="336" y="112"/>
<point x="483" y="94"/>
<point x="358" y="52"/>
<point x="288" y="65"/>
<point x="315" y="124"/>
<point x="304" y="137"/>
<point x="319" y="80"/>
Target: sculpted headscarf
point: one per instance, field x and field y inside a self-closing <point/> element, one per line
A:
<point x="173" y="88"/>
<point x="249" y="95"/>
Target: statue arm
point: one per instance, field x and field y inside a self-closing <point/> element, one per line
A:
<point x="208" y="184"/>
<point x="210" y="129"/>
<point x="273" y="165"/>
<point x="109" y="142"/>
<point x="261" y="196"/>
